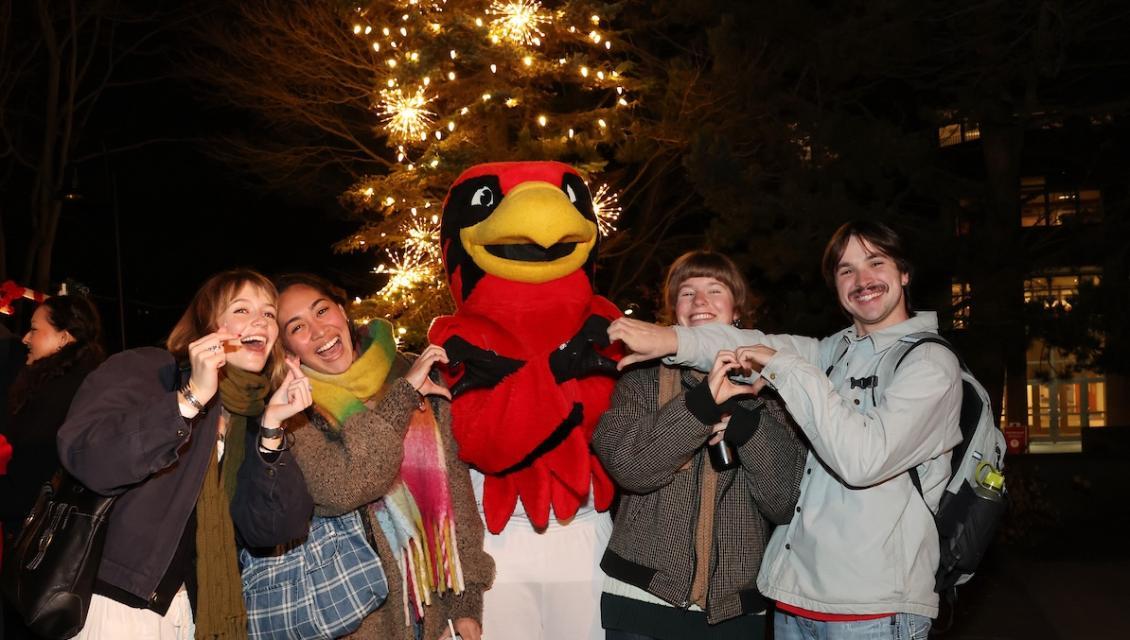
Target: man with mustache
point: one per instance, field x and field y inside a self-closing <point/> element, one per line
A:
<point x="859" y="556"/>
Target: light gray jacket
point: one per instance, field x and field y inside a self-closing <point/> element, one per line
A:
<point x="862" y="540"/>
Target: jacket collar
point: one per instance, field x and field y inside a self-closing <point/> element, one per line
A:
<point x="880" y="340"/>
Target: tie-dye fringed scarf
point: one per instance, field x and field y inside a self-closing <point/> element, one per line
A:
<point x="416" y="515"/>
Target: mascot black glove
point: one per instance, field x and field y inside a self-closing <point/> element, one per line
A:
<point x="481" y="368"/>
<point x="579" y="356"/>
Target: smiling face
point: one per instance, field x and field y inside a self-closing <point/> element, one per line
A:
<point x="315" y="329"/>
<point x="702" y="300"/>
<point x="251" y="314"/>
<point x="43" y="338"/>
<point x="869" y="286"/>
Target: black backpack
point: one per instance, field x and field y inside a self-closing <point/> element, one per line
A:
<point x="975" y="499"/>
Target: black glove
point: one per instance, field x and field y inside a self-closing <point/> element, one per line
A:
<point x="579" y="356"/>
<point x="481" y="368"/>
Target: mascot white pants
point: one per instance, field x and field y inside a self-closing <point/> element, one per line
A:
<point x="547" y="584"/>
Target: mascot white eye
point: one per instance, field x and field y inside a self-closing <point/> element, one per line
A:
<point x="572" y="195"/>
<point x="483" y="197"/>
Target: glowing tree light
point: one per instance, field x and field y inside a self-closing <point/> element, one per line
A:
<point x="405" y="116"/>
<point x="606" y="206"/>
<point x="421" y="236"/>
<point x="518" y="21"/>
<point x="408" y="271"/>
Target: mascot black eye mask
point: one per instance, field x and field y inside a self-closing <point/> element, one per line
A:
<point x="530" y="365"/>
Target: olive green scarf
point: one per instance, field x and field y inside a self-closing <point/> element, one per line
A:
<point x="219" y="611"/>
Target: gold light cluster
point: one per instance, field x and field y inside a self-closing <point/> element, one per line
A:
<point x="518" y="22"/>
<point x="405" y="116"/>
<point x="606" y="206"/>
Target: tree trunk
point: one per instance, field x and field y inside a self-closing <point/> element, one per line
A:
<point x="996" y="317"/>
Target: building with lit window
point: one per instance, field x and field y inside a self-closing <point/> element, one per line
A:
<point x="1073" y="177"/>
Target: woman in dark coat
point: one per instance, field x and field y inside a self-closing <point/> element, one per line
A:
<point x="64" y="345"/>
<point x="187" y="440"/>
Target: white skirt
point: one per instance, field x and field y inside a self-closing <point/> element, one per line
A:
<point x="111" y="620"/>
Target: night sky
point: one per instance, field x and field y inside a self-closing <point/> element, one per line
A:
<point x="184" y="214"/>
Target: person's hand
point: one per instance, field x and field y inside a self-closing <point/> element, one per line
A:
<point x="754" y="357"/>
<point x="292" y="396"/>
<point x="718" y="431"/>
<point x="726" y="363"/>
<point x="467" y="628"/>
<point x="206" y="356"/>
<point x="644" y="340"/>
<point x="418" y="377"/>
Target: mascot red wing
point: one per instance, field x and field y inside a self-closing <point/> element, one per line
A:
<point x="530" y="367"/>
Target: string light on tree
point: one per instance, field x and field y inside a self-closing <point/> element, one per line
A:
<point x="518" y="21"/>
<point x="405" y="116"/>
<point x="606" y="206"/>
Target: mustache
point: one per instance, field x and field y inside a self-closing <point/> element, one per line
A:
<point x="870" y="287"/>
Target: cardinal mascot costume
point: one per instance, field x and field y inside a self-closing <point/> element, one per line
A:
<point x="531" y="370"/>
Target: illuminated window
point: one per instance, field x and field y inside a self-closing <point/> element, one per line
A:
<point x="956" y="133"/>
<point x="1058" y="289"/>
<point x="959" y="302"/>
<point x="1041" y="207"/>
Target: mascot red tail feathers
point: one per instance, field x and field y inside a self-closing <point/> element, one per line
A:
<point x="530" y="369"/>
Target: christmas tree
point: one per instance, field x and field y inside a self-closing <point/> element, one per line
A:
<point x="460" y="82"/>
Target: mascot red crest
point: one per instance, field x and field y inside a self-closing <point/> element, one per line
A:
<point x="530" y="366"/>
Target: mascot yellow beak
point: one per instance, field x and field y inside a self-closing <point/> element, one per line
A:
<point x="534" y="235"/>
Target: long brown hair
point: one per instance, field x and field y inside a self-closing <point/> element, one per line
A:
<point x="199" y="319"/>
<point x="706" y="264"/>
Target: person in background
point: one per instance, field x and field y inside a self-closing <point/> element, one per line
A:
<point x="379" y="437"/>
<point x="176" y="434"/>
<point x="63" y="344"/>
<point x="690" y="531"/>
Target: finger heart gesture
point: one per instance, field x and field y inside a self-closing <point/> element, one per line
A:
<point x="722" y="388"/>
<point x="206" y="356"/>
<point x="292" y="396"/>
<point x="418" y="373"/>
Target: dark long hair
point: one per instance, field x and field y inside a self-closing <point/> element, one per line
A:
<point x="331" y="291"/>
<point x="77" y="316"/>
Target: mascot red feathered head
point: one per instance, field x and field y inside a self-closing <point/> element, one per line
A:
<point x="525" y="222"/>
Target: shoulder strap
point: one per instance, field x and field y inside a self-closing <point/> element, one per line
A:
<point x="920" y="338"/>
<point x="929" y="338"/>
<point x="670" y="383"/>
<point x="843" y="352"/>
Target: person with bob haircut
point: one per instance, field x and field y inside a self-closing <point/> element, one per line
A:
<point x="691" y="527"/>
<point x="858" y="558"/>
<point x="187" y="438"/>
<point x="378" y="437"/>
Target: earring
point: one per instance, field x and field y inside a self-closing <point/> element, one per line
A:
<point x="737" y="323"/>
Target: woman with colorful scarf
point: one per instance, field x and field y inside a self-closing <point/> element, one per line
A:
<point x="184" y="438"/>
<point x="374" y="439"/>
